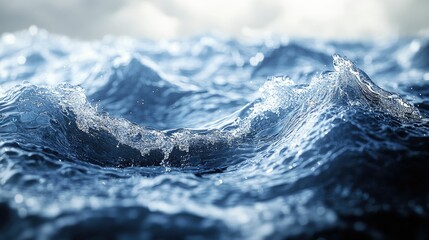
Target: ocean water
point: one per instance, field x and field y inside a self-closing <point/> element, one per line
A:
<point x="213" y="138"/>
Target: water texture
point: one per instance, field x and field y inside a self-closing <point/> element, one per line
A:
<point x="211" y="137"/>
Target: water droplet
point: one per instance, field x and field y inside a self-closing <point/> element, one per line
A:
<point x="33" y="30"/>
<point x="21" y="60"/>
<point x="18" y="198"/>
<point x="415" y="45"/>
<point x="9" y="38"/>
<point x="255" y="60"/>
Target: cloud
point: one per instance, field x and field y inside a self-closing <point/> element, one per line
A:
<point x="333" y="18"/>
<point x="162" y="19"/>
<point x="143" y="19"/>
<point x="78" y="18"/>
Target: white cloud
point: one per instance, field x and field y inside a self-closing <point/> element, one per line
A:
<point x="143" y="19"/>
<point x="333" y="18"/>
<point x="160" y="19"/>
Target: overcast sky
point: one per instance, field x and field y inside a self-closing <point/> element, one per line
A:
<point x="161" y="19"/>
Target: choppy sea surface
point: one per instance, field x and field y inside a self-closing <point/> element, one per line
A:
<point x="213" y="138"/>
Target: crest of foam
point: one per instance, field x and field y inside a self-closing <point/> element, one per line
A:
<point x="366" y="93"/>
<point x="276" y="94"/>
<point x="127" y="133"/>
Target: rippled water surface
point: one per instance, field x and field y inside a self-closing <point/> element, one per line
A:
<point x="211" y="137"/>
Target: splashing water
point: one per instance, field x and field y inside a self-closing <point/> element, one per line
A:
<point x="127" y="139"/>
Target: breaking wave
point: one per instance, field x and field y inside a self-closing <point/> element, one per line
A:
<point x="190" y="138"/>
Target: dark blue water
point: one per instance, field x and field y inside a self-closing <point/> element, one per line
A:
<point x="211" y="137"/>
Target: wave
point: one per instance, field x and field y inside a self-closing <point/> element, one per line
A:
<point x="420" y="58"/>
<point x="148" y="137"/>
<point x="138" y="93"/>
<point x="62" y="118"/>
<point x="286" y="57"/>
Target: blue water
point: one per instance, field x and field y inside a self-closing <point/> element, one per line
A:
<point x="211" y="137"/>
